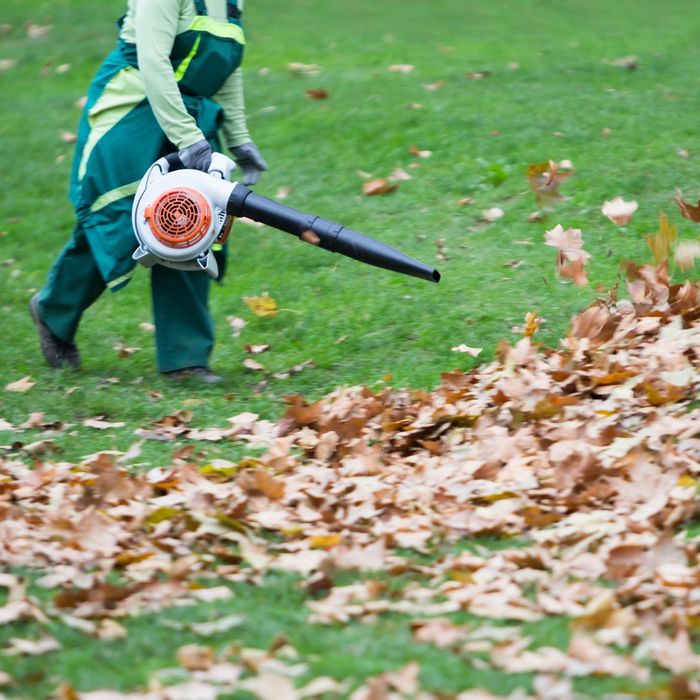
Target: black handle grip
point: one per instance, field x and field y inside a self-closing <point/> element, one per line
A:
<point x="174" y="161"/>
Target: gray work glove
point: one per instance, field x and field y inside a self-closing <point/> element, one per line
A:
<point x="196" y="156"/>
<point x="249" y="161"/>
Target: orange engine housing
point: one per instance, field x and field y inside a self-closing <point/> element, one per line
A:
<point x="179" y="218"/>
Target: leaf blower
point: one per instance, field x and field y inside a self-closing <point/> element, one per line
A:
<point x="180" y="214"/>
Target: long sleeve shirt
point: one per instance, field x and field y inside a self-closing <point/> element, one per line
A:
<point x="152" y="26"/>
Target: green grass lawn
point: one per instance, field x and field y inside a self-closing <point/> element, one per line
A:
<point x="551" y="93"/>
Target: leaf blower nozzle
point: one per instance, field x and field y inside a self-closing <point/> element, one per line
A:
<point x="326" y="234"/>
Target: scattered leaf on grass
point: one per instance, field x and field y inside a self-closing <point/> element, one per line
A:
<point x="195" y="657"/>
<point x="619" y="211"/>
<point x="30" y="647"/>
<point x="252" y="364"/>
<point x="309" y="70"/>
<point x="68" y="137"/>
<point x="661" y="242"/>
<point x="477" y="74"/>
<point x="532" y="324"/>
<point x="689" y="211"/>
<point x="236" y="324"/>
<point x="36" y="31"/>
<point x="100" y="424"/>
<point x="123" y="351"/>
<point x="401" y="67"/>
<point x="221" y="624"/>
<point x="317" y="93"/>
<point x="545" y="179"/>
<point x="493" y="214"/>
<point x="627" y="62"/>
<point x="571" y="258"/>
<point x="7" y="63"/>
<point x="419" y="152"/>
<point x="687" y="252"/>
<point x="474" y="352"/>
<point x="20" y="385"/>
<point x="567" y="241"/>
<point x="256" y="349"/>
<point x="378" y="186"/>
<point x="399" y="174"/>
<point x="264" y="306"/>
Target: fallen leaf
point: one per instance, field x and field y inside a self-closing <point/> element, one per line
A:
<point x="256" y="349"/>
<point x="317" y="93"/>
<point x="7" y="63"/>
<point x="264" y="306"/>
<point x="36" y="31"/>
<point x="236" y="324"/>
<point x="420" y="153"/>
<point x="401" y="68"/>
<point x="378" y="186"/>
<point x="474" y="352"/>
<point x="619" y="211"/>
<point x="569" y="242"/>
<point x="532" y="324"/>
<point x="399" y="174"/>
<point x="221" y="624"/>
<point x="100" y="424"/>
<point x="20" y="385"/>
<point x="123" y="351"/>
<point x="477" y="74"/>
<point x="626" y="62"/>
<point x="30" y="647"/>
<point x="661" y="242"/>
<point x="252" y="364"/>
<point x="493" y="214"/>
<point x="686" y="253"/>
<point x="545" y="178"/>
<point x="689" y="211"/>
<point x="309" y="70"/>
<point x="195" y="657"/>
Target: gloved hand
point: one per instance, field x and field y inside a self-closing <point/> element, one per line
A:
<point x="249" y="161"/>
<point x="196" y="156"/>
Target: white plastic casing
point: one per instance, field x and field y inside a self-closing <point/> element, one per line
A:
<point x="215" y="190"/>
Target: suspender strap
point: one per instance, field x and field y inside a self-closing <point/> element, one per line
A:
<point x="200" y="7"/>
<point x="232" y="10"/>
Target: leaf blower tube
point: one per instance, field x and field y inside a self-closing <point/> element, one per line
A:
<point x="326" y="234"/>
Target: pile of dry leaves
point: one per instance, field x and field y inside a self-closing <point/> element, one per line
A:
<point x="590" y="453"/>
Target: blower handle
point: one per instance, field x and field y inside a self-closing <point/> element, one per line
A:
<point x="174" y="162"/>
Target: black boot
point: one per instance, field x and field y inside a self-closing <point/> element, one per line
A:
<point x="58" y="353"/>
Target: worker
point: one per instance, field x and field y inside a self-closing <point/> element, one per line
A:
<point x="173" y="83"/>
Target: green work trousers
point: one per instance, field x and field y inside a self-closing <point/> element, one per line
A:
<point x="184" y="328"/>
